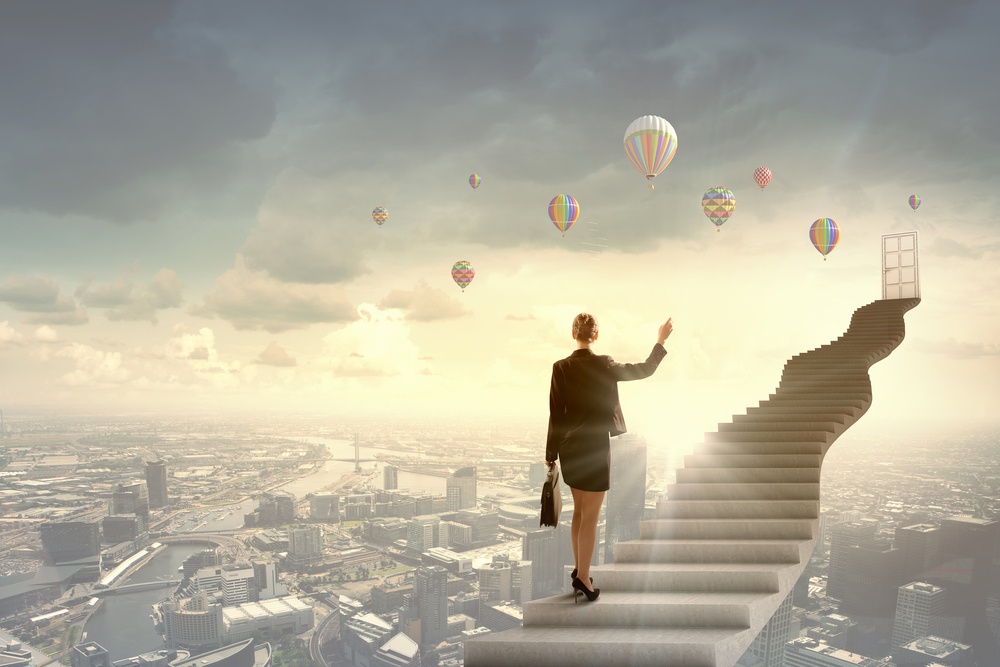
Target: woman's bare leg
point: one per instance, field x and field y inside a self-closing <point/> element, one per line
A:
<point x="588" y="504"/>
<point x="574" y="534"/>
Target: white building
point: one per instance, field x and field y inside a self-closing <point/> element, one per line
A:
<point x="305" y="544"/>
<point x="919" y="612"/>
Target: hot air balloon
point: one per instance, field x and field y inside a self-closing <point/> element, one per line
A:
<point x="650" y="143"/>
<point x="380" y="214"/>
<point x="762" y="175"/>
<point x="474" y="181"/>
<point x="824" y="235"/>
<point x="563" y="211"/>
<point x="718" y="204"/>
<point x="914" y="201"/>
<point x="463" y="273"/>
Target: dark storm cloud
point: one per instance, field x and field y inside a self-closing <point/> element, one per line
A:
<point x="102" y="117"/>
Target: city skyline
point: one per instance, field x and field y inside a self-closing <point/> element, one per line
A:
<point x="186" y="204"/>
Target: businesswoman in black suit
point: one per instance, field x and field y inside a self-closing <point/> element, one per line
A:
<point x="584" y="413"/>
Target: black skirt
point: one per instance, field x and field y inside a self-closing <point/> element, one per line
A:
<point x="586" y="462"/>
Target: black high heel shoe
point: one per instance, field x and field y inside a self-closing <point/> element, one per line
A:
<point x="591" y="594"/>
<point x="572" y="575"/>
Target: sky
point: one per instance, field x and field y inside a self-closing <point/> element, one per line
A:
<point x="186" y="192"/>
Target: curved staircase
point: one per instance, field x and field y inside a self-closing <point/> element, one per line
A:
<point x="733" y="536"/>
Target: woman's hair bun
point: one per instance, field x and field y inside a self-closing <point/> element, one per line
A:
<point x="585" y="327"/>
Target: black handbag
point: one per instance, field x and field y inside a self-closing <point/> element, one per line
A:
<point x="551" y="498"/>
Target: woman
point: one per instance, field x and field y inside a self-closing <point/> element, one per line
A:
<point x="584" y="413"/>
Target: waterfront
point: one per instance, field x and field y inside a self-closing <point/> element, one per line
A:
<point x="122" y="624"/>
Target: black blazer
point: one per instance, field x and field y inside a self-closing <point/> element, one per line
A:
<point x="583" y="400"/>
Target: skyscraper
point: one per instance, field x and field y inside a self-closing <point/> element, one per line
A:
<point x="68" y="541"/>
<point x="919" y="611"/>
<point x="89" y="654"/>
<point x="131" y="498"/>
<point x="768" y="647"/>
<point x="431" y="593"/>
<point x="627" y="495"/>
<point x="156" y="484"/>
<point x="305" y="544"/>
<point x="843" y="536"/>
<point x="919" y="544"/>
<point x="325" y="507"/>
<point x="541" y="549"/>
<point x="390" y="477"/>
<point x="461" y="489"/>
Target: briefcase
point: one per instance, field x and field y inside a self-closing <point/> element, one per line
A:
<point x="551" y="498"/>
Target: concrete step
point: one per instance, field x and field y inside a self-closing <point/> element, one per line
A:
<point x="763" y="461"/>
<point x="791" y="401"/>
<point x="760" y="447"/>
<point x="743" y="491"/>
<point x="688" y="475"/>
<point x="727" y="529"/>
<point x="831" y="397"/>
<point x="717" y="577"/>
<point x="797" y="424"/>
<point x="769" y="436"/>
<point x="608" y="647"/>
<point x="792" y="410"/>
<point x="709" y="551"/>
<point x="762" y="419"/>
<point x="738" y="509"/>
<point x="640" y="609"/>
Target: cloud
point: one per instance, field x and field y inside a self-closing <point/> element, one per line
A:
<point x="46" y="334"/>
<point x="375" y="345"/>
<point x="94" y="367"/>
<point x="125" y="300"/>
<point x="424" y="303"/>
<point x="113" y="114"/>
<point x="520" y="318"/>
<point x="254" y="300"/>
<point x="34" y="294"/>
<point x="275" y="355"/>
<point x="9" y="335"/>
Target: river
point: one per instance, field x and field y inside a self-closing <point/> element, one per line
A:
<point x="122" y="624"/>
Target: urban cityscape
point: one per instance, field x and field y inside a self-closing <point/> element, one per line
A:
<point x="138" y="541"/>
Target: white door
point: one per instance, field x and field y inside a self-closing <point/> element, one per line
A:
<point x="900" y="277"/>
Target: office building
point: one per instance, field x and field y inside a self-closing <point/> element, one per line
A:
<point x="390" y="477"/>
<point x="198" y="623"/>
<point x="69" y="541"/>
<point x="273" y="509"/>
<point x="768" y="647"/>
<point x="873" y="580"/>
<point x="89" y="654"/>
<point x="305" y="544"/>
<point x="843" y="536"/>
<point x="925" y="651"/>
<point x="500" y="616"/>
<point x="920" y="609"/>
<point x="398" y="651"/>
<point x="199" y="560"/>
<point x="541" y="549"/>
<point x="131" y="498"/>
<point x="361" y="637"/>
<point x="806" y="652"/>
<point x="423" y="532"/>
<point x="919" y="544"/>
<point x="626" y="499"/>
<point x="156" y="484"/>
<point x="482" y="525"/>
<point x="505" y="579"/>
<point x="430" y="590"/>
<point x="461" y="489"/>
<point x="123" y="528"/>
<point x="237" y="584"/>
<point x="325" y="507"/>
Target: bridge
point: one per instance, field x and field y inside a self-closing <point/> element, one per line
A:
<point x="732" y="538"/>
<point x="134" y="588"/>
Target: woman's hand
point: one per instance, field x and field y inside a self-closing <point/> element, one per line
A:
<point x="665" y="330"/>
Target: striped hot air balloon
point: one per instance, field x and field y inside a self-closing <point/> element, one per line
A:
<point x="563" y="211"/>
<point x="718" y="203"/>
<point x="650" y="143"/>
<point x="824" y="235"/>
<point x="914" y="201"/>
<point x="463" y="273"/>
<point x="475" y="180"/>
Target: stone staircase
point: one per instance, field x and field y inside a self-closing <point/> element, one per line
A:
<point x="733" y="536"/>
